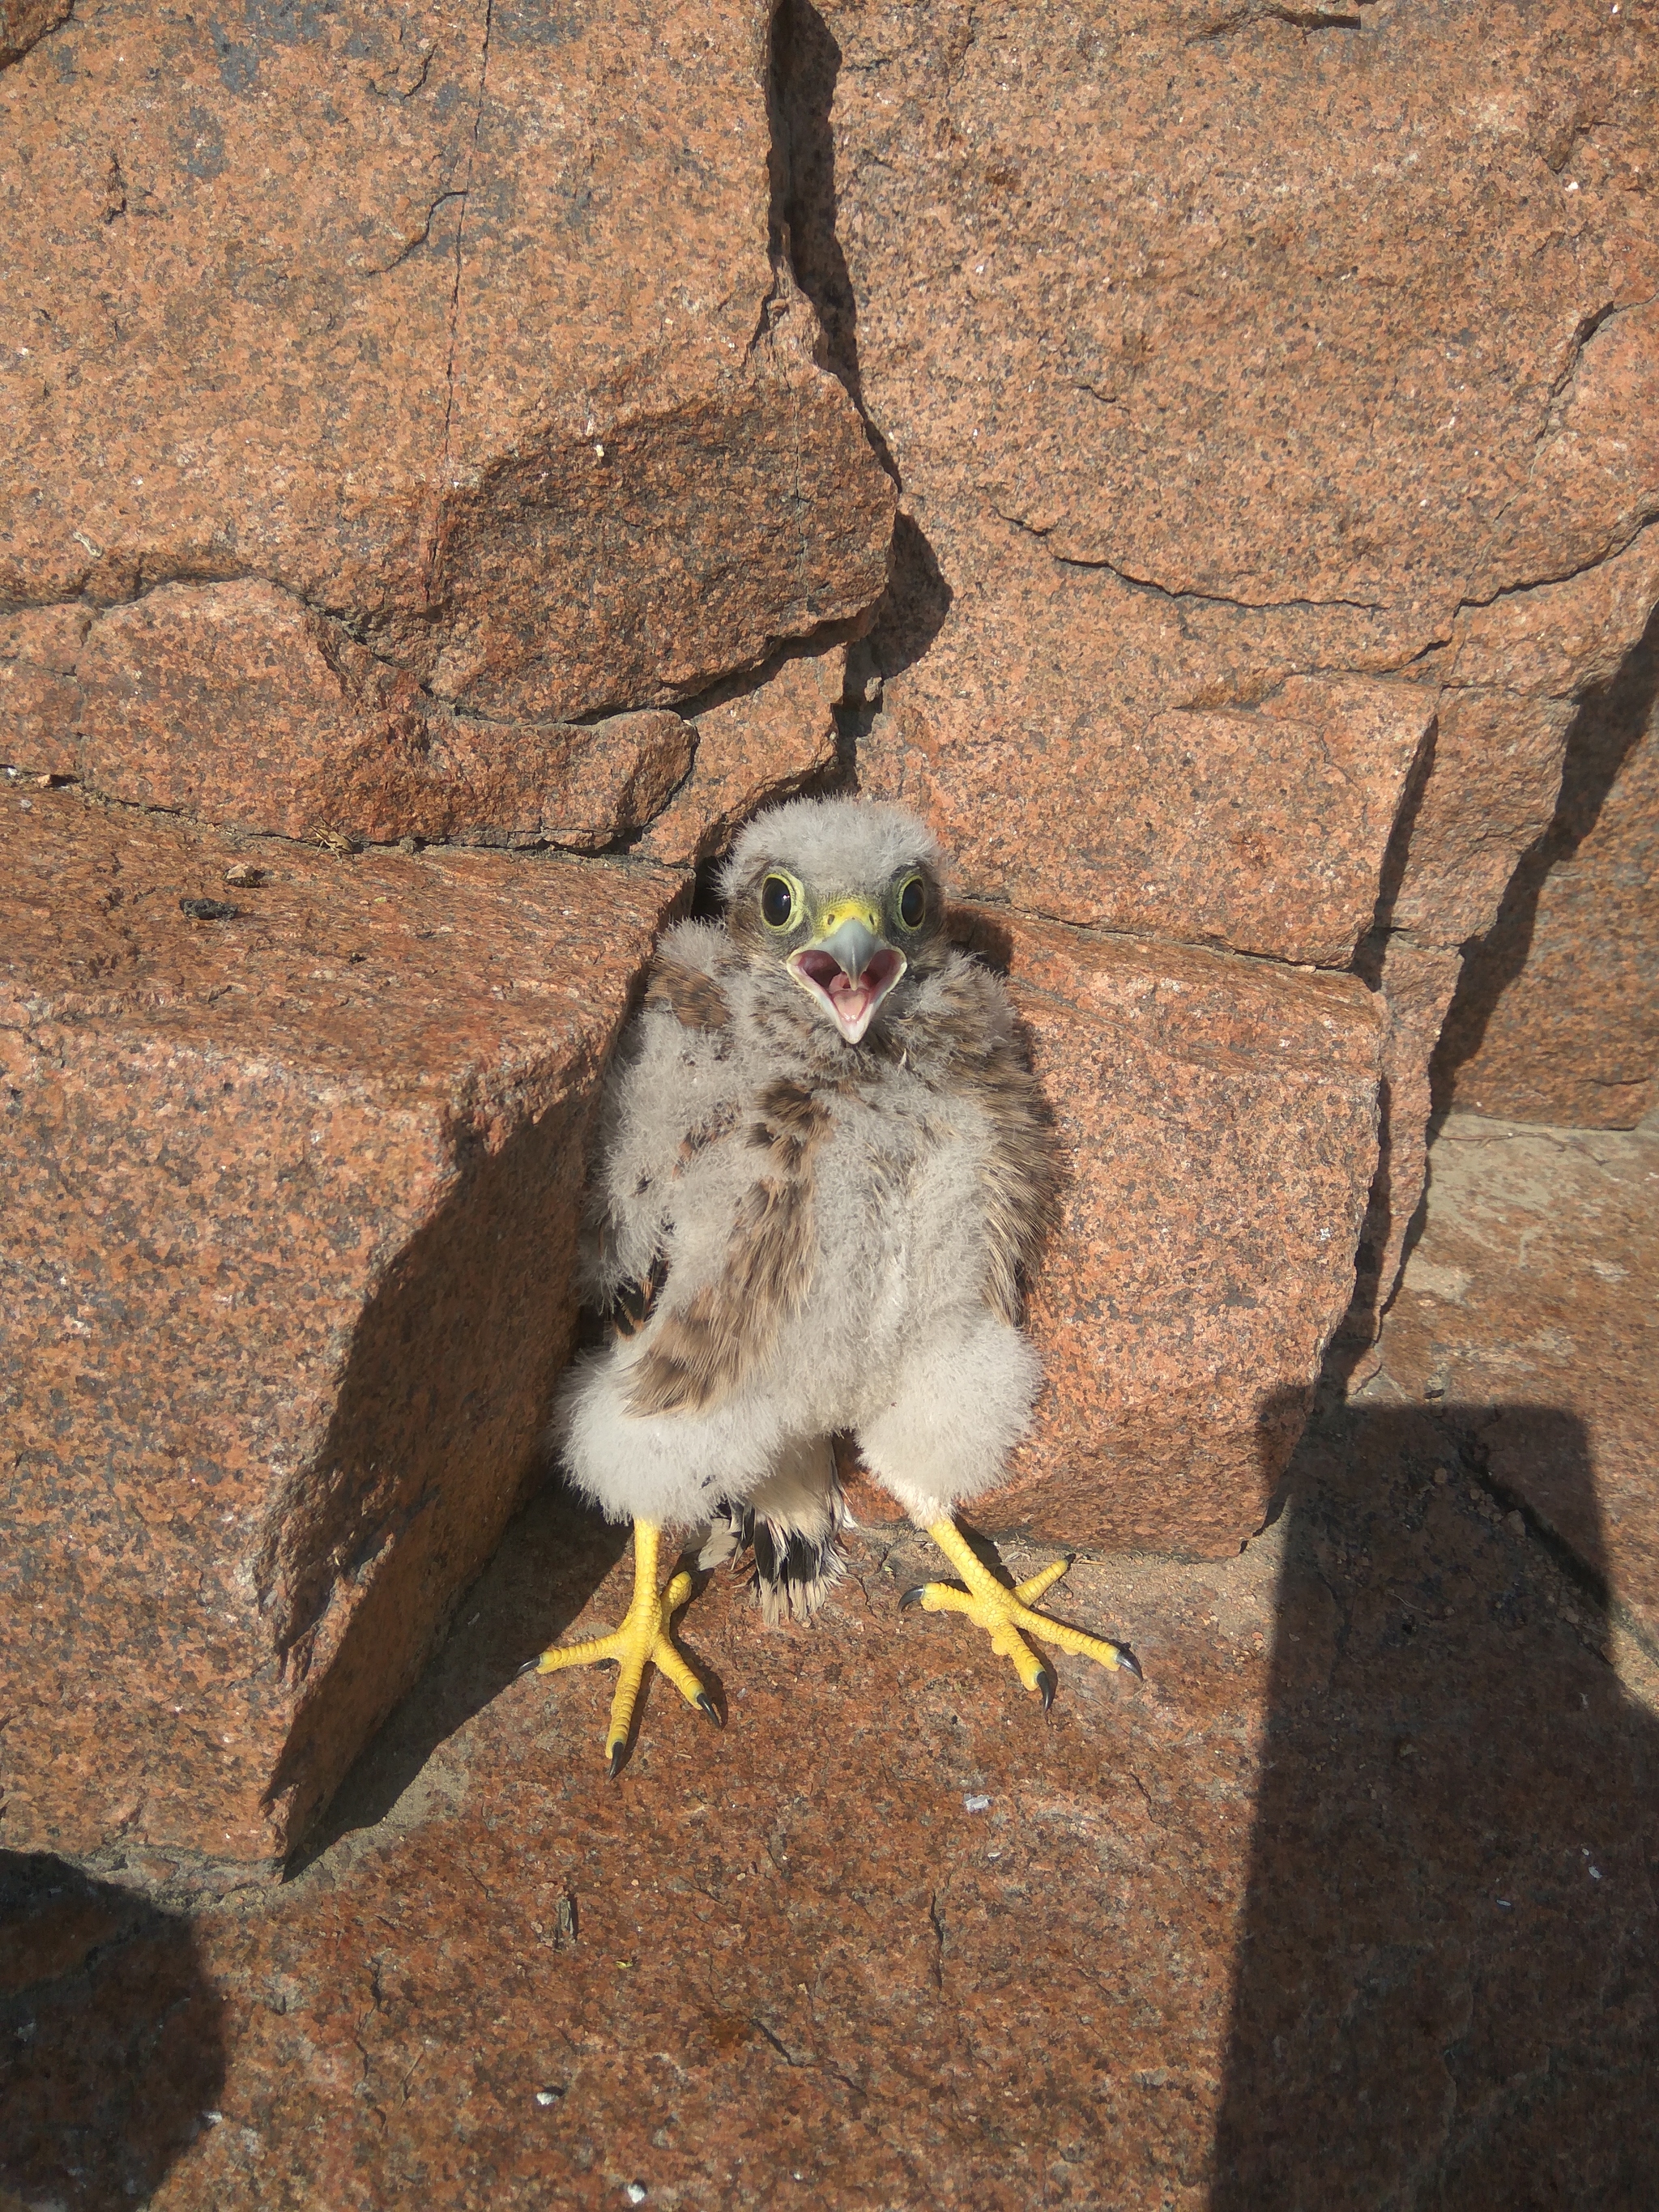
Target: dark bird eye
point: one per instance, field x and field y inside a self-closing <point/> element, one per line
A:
<point x="913" y="903"/>
<point x="777" y="902"/>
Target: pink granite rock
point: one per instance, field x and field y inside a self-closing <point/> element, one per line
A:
<point x="1218" y="1123"/>
<point x="291" y="1167"/>
<point x="233" y="701"/>
<point x="1558" y="1019"/>
<point x="1212" y="354"/>
<point x="757" y="742"/>
<point x="23" y="22"/>
<point x="39" y="699"/>
<point x="1275" y="844"/>
<point x="413" y="321"/>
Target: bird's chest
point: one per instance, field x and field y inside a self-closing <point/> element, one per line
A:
<point x="897" y="1201"/>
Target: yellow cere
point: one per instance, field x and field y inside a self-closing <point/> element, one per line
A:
<point x="832" y="917"/>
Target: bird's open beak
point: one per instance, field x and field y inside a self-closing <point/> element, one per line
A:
<point x="848" y="968"/>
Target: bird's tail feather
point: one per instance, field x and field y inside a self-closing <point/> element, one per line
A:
<point x="789" y="1522"/>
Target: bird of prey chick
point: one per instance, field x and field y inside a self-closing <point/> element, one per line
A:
<point x="821" y="1164"/>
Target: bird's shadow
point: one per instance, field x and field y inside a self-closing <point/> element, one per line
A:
<point x="552" y="1557"/>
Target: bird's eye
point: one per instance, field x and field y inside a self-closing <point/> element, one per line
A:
<point x="913" y="903"/>
<point x="778" y="901"/>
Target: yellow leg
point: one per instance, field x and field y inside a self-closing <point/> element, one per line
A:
<point x="1002" y="1613"/>
<point x="644" y="1635"/>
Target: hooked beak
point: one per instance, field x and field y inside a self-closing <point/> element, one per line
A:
<point x="849" y="971"/>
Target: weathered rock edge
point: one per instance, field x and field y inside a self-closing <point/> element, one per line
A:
<point x="288" y="1194"/>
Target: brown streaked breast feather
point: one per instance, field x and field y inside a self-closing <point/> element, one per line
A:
<point x="695" y="1000"/>
<point x="702" y="1353"/>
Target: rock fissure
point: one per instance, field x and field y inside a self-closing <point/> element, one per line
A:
<point x="422" y="236"/>
<point x="1597" y="561"/>
<point x="462" y="195"/>
<point x="1205" y="598"/>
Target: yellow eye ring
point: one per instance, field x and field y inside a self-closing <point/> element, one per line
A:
<point x="782" y="900"/>
<point x="911" y="904"/>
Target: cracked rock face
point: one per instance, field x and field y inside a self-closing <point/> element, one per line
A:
<point x="1222" y="355"/>
<point x="374" y="313"/>
<point x="481" y="425"/>
<point x="282" y="1331"/>
<point x="1218" y="1120"/>
<point x="1559" y="1018"/>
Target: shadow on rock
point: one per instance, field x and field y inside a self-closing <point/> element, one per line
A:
<point x="1445" y="1994"/>
<point x="1609" y="724"/>
<point x="111" y="2054"/>
<point x="552" y="1559"/>
<point x="806" y="64"/>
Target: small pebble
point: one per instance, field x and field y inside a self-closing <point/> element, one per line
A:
<point x="549" y="2096"/>
<point x="201" y="909"/>
<point x="244" y="873"/>
<point x="1441" y="1478"/>
<point x="636" y="2192"/>
<point x="408" y="845"/>
<point x="976" y="1804"/>
<point x="1516" y="1524"/>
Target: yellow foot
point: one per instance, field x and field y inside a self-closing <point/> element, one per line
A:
<point x="1002" y="1613"/>
<point x="644" y="1635"/>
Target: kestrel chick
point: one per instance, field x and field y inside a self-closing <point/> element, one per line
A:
<point x="821" y="1164"/>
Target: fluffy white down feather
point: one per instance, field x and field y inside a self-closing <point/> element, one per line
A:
<point x="893" y="1339"/>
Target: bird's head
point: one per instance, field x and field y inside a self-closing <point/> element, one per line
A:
<point x="841" y="895"/>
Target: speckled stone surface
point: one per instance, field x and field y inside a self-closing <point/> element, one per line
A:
<point x="1357" y="1889"/>
<point x="1417" y="983"/>
<point x="1247" y="350"/>
<point x="235" y="703"/>
<point x="1274" y="846"/>
<point x="759" y="741"/>
<point x="23" y="22"/>
<point x="459" y="327"/>
<point x="1531" y="1296"/>
<point x="1218" y="347"/>
<point x="39" y="698"/>
<point x="287" y="1191"/>
<point x="1216" y="1119"/>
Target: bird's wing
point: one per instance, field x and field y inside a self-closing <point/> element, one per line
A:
<point x="663" y="1101"/>
<point x="701" y="1351"/>
<point x="680" y="1084"/>
<point x="965" y="1026"/>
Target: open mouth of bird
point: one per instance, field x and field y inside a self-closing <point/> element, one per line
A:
<point x="851" y="1000"/>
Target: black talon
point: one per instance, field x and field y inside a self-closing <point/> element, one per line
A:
<point x="528" y="1668"/>
<point x="1127" y="1658"/>
<point x="1045" y="1682"/>
<point x="913" y="1597"/>
<point x="617" y="1758"/>
<point x="707" y="1706"/>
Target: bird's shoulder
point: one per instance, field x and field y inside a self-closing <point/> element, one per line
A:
<point x="959" y="1013"/>
<point x="692" y="978"/>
